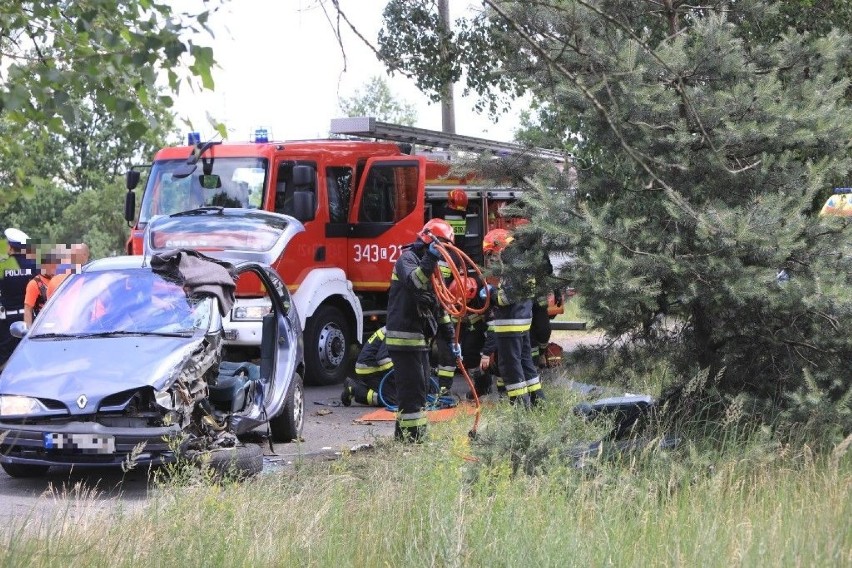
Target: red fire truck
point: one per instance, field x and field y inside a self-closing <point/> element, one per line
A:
<point x="360" y="202"/>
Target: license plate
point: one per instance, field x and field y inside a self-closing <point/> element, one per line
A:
<point x="85" y="443"/>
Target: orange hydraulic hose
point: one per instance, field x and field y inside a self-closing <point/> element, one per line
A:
<point x="457" y="303"/>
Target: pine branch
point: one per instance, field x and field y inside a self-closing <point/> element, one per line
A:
<point x="674" y="195"/>
<point x="392" y="65"/>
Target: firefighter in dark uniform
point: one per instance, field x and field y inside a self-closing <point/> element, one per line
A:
<point x="540" y="330"/>
<point x="373" y="364"/>
<point x="455" y="214"/>
<point x="472" y="335"/>
<point x="511" y="301"/>
<point x="16" y="270"/>
<point x="414" y="317"/>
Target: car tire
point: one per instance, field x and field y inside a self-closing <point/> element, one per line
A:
<point x="241" y="460"/>
<point x="287" y="426"/>
<point x="327" y="339"/>
<point x="24" y="470"/>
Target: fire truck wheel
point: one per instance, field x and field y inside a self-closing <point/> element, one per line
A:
<point x="327" y="339"/>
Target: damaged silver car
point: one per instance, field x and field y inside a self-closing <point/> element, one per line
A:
<point x="131" y="356"/>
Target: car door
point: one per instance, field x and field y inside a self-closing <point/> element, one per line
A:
<point x="252" y="240"/>
<point x="280" y="349"/>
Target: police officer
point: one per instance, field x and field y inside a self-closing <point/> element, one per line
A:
<point x="414" y="317"/>
<point x="16" y="270"/>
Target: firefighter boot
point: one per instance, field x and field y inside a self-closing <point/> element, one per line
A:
<point x="346" y="395"/>
<point x="521" y="401"/>
<point x="518" y="395"/>
<point x="536" y="396"/>
<point x="411" y="435"/>
<point x="445" y="375"/>
<point x="481" y="382"/>
<point x="501" y="388"/>
<point x="410" y="427"/>
<point x="534" y="390"/>
<point x="362" y="394"/>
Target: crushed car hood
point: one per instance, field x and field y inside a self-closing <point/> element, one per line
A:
<point x="95" y="367"/>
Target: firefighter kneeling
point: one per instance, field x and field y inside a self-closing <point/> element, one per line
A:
<point x="372" y="366"/>
<point x="414" y="317"/>
<point x="511" y="302"/>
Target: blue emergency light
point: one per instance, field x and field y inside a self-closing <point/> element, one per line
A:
<point x="840" y="190"/>
<point x="261" y="135"/>
<point x="193" y="138"/>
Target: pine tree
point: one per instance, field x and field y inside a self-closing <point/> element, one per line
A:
<point x="704" y="150"/>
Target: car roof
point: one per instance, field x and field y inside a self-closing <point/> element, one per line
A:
<point x="114" y="263"/>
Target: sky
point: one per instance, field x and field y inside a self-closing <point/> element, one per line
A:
<point x="281" y="67"/>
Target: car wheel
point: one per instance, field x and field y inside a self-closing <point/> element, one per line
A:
<point x="327" y="340"/>
<point x="242" y="461"/>
<point x="287" y="426"/>
<point x="24" y="469"/>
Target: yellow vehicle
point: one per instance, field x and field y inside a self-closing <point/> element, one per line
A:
<point x="839" y="204"/>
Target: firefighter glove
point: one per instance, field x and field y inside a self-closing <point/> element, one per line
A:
<point x="456" y="349"/>
<point x="433" y="250"/>
<point x="428" y="262"/>
<point x="485" y="291"/>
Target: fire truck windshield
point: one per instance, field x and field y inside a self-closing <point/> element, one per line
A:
<point x="239" y="183"/>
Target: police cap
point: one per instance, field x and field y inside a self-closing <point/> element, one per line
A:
<point x="16" y="237"/>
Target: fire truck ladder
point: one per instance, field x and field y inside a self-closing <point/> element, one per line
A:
<point x="369" y="127"/>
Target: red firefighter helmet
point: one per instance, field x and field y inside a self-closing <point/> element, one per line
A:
<point x="496" y="240"/>
<point x="466" y="284"/>
<point x="436" y="228"/>
<point x="457" y="199"/>
<point x="553" y="355"/>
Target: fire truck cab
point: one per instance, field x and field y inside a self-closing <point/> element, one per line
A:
<point x="360" y="201"/>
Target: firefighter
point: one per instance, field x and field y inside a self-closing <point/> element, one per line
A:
<point x="16" y="270"/>
<point x="455" y="214"/>
<point x="372" y="366"/>
<point x="512" y="302"/>
<point x="540" y="330"/>
<point x="538" y="259"/>
<point x="472" y="333"/>
<point x="415" y="317"/>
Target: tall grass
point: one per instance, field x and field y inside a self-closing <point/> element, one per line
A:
<point x="450" y="503"/>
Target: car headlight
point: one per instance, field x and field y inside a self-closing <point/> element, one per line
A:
<point x="249" y="313"/>
<point x="20" y="406"/>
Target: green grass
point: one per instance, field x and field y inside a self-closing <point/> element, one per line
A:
<point x="746" y="501"/>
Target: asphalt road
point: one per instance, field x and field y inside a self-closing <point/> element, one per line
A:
<point x="329" y="430"/>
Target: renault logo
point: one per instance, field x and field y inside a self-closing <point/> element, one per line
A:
<point x="82" y="401"/>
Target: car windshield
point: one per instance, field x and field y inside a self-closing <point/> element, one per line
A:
<point x="240" y="183"/>
<point x="131" y="301"/>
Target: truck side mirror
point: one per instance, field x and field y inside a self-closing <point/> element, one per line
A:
<point x="304" y="205"/>
<point x="303" y="175"/>
<point x="131" y="179"/>
<point x="130" y="206"/>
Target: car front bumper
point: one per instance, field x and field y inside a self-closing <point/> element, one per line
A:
<point x="82" y="444"/>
